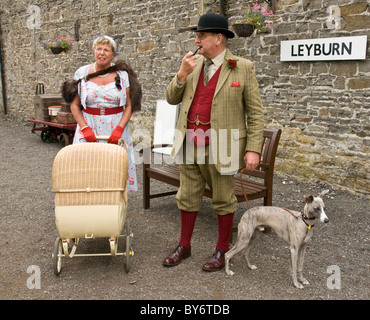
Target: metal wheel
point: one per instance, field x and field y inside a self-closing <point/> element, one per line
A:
<point x="58" y="251"/>
<point x="129" y="251"/>
<point x="64" y="140"/>
<point x="46" y="136"/>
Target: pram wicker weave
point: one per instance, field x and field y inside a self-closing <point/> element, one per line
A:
<point x="89" y="182"/>
<point x="90" y="167"/>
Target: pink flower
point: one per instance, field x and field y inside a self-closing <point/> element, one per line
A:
<point x="65" y="38"/>
<point x="235" y="84"/>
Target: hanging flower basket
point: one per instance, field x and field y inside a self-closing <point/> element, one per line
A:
<point x="63" y="44"/>
<point x="243" y="29"/>
<point x="251" y="18"/>
<point x="56" y="50"/>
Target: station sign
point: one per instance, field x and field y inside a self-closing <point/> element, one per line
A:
<point x="343" y="48"/>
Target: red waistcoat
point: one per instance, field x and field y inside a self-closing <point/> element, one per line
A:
<point x="200" y="111"/>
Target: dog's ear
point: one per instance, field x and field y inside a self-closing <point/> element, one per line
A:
<point x="309" y="199"/>
<point x="323" y="193"/>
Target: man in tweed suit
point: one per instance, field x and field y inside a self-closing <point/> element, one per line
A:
<point x="219" y="131"/>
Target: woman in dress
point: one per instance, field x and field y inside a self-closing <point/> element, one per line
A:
<point x="103" y="105"/>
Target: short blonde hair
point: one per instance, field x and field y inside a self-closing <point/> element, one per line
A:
<point x="105" y="40"/>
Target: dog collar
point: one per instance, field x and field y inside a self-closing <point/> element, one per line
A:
<point x="304" y="217"/>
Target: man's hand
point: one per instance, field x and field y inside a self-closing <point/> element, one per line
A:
<point x="188" y="64"/>
<point x="251" y="160"/>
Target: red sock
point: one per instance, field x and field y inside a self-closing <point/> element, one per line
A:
<point x="187" y="227"/>
<point x="225" y="224"/>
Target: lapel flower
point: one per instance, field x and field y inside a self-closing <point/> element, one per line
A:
<point x="232" y="63"/>
<point x="235" y="84"/>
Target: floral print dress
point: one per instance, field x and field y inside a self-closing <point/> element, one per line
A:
<point x="95" y="96"/>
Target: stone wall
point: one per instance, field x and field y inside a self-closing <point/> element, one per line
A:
<point x="322" y="107"/>
<point x="151" y="36"/>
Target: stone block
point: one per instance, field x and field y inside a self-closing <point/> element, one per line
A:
<point x="356" y="84"/>
<point x="146" y="45"/>
<point x="343" y="68"/>
<point x="356" y="22"/>
<point x="353" y="8"/>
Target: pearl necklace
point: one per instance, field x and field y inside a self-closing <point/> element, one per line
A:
<point x="103" y="75"/>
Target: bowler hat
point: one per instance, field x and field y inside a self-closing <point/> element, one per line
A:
<point x="213" y="22"/>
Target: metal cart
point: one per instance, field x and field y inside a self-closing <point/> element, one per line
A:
<point x="52" y="131"/>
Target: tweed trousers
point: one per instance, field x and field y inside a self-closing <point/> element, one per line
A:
<point x="195" y="173"/>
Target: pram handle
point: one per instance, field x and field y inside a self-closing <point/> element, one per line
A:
<point x="102" y="137"/>
<point x="120" y="141"/>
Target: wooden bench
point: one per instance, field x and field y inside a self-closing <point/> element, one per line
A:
<point x="256" y="184"/>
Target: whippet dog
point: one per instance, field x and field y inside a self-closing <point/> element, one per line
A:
<point x="292" y="226"/>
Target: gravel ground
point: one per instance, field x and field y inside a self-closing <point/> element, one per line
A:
<point x="28" y="233"/>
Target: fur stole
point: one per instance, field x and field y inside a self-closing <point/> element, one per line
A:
<point x="70" y="87"/>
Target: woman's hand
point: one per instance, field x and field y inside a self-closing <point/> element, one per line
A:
<point x="89" y="134"/>
<point x="117" y="132"/>
<point x="116" y="135"/>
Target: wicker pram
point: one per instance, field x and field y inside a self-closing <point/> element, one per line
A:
<point x="89" y="182"/>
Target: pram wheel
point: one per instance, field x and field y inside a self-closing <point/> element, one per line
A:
<point x="58" y="251"/>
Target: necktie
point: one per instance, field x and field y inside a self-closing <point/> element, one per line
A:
<point x="207" y="63"/>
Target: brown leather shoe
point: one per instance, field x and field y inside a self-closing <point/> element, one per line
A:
<point x="217" y="262"/>
<point x="177" y="256"/>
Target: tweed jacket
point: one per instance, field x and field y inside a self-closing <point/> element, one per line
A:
<point x="236" y="115"/>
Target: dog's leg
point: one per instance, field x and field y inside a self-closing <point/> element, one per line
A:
<point x="245" y="232"/>
<point x="256" y="235"/>
<point x="294" y="260"/>
<point x="239" y="246"/>
<point x="301" y="254"/>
